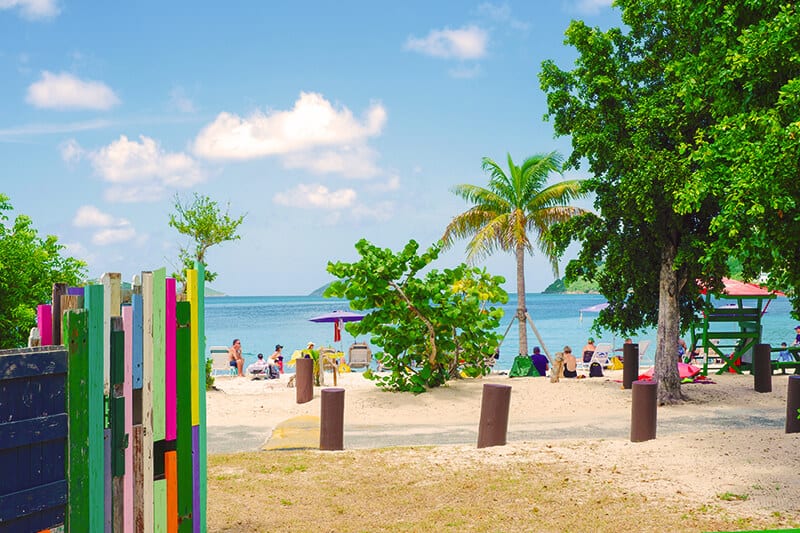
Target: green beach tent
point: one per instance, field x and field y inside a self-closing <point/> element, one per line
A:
<point x="523" y="366"/>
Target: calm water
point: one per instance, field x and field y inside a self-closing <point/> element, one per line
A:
<point x="261" y="322"/>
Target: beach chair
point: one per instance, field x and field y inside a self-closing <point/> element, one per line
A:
<point x="601" y="354"/>
<point x="327" y="357"/>
<point x="359" y="355"/>
<point x="219" y="362"/>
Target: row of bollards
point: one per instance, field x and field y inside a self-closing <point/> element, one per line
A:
<point x="496" y="401"/>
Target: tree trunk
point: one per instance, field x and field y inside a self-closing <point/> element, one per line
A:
<point x="522" y="308"/>
<point x="666" y="368"/>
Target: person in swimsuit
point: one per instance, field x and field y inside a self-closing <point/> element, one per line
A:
<point x="570" y="363"/>
<point x="235" y="357"/>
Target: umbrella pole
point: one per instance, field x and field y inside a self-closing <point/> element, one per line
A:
<point x="536" y="331"/>
<point x="507" y="330"/>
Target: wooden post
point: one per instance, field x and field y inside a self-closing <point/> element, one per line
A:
<point x="147" y="402"/>
<point x="304" y="380"/>
<point x="793" y="405"/>
<point x="93" y="297"/>
<point x="59" y="289"/>
<point x="159" y="408"/>
<point x="119" y="438"/>
<point x="201" y="387"/>
<point x="331" y="429"/>
<point x="644" y="410"/>
<point x="630" y="365"/>
<point x="493" y="425"/>
<point x="127" y="392"/>
<point x="184" y="442"/>
<point x="762" y="368"/>
<point x="44" y="321"/>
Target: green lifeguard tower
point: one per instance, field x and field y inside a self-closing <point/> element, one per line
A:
<point x="730" y="331"/>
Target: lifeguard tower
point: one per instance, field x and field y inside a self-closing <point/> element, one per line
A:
<point x="730" y="325"/>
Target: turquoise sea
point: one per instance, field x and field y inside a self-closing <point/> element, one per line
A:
<point x="261" y="322"/>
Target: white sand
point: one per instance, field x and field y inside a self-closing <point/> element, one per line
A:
<point x="727" y="438"/>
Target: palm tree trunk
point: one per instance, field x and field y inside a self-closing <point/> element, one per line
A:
<point x="522" y="308"/>
<point x="666" y="370"/>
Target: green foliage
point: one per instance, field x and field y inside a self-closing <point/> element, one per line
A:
<point x="209" y="377"/>
<point x="29" y="265"/>
<point x="203" y="221"/>
<point x="431" y="326"/>
<point x="516" y="206"/>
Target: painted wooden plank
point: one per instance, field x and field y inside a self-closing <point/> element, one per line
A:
<point x="147" y="400"/>
<point x="76" y="336"/>
<point x="160" y="506"/>
<point x="117" y="422"/>
<point x="138" y="336"/>
<point x="171" y="474"/>
<point x="70" y="301"/>
<point x="195" y="477"/>
<point x="127" y="392"/>
<point x="159" y="349"/>
<point x="32" y="500"/>
<point x="111" y="308"/>
<point x="170" y="394"/>
<point x="44" y="321"/>
<point x="94" y="304"/>
<point x="28" y="364"/>
<point x="32" y="431"/>
<point x="201" y="344"/>
<point x="191" y="297"/>
<point x="59" y="289"/>
<point x="137" y="442"/>
<point x="107" y="490"/>
<point x="184" y="441"/>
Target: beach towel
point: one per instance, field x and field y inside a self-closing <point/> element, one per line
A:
<point x="522" y="367"/>
<point x="685" y="371"/>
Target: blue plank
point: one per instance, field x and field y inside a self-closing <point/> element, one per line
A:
<point x="32" y="363"/>
<point x="47" y="519"/>
<point x="33" y="500"/>
<point x="33" y="430"/>
<point x="138" y="317"/>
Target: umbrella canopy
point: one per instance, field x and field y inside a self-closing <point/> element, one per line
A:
<point x="337" y="317"/>
<point x="595" y="308"/>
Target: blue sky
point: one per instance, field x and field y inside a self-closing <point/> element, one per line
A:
<point x="324" y="122"/>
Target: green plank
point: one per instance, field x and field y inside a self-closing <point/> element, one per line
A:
<point x="160" y="506"/>
<point x="94" y="302"/>
<point x="183" y="340"/>
<point x="74" y="335"/>
<point x="201" y="341"/>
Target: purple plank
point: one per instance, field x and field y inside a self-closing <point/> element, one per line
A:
<point x="196" y="477"/>
<point x="75" y="291"/>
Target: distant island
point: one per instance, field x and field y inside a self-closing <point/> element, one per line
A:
<point x="318" y="292"/>
<point x="581" y="286"/>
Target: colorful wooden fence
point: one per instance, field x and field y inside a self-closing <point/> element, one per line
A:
<point x="132" y="411"/>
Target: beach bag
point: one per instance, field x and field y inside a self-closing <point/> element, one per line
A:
<point x="595" y="370"/>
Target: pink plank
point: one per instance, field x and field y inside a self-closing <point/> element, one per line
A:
<point x="170" y="387"/>
<point x="44" y="319"/>
<point x="127" y="392"/>
<point x="196" y="477"/>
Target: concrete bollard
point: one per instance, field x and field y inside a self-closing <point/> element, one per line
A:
<point x="630" y="364"/>
<point x="304" y="380"/>
<point x="792" y="405"/>
<point x="644" y="410"/>
<point x="331" y="420"/>
<point x="762" y="369"/>
<point x="493" y="426"/>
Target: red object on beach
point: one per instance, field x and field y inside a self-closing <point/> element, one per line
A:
<point x="337" y="331"/>
<point x="685" y="370"/>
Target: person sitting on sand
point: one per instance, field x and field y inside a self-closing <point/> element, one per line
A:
<point x="235" y="357"/>
<point x="783" y="356"/>
<point x="540" y="362"/>
<point x="259" y="367"/>
<point x="588" y="350"/>
<point x="570" y="363"/>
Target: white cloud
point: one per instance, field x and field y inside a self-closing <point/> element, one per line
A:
<point x="88" y="216"/>
<point x="33" y="9"/>
<point x="180" y="101"/>
<point x="126" y="161"/>
<point x="356" y="161"/>
<point x="47" y="129"/>
<point x="316" y="196"/>
<point x="65" y="91"/>
<point x="71" y="151"/>
<point x="79" y="251"/>
<point x="591" y="7"/>
<point x="501" y="13"/>
<point x="469" y="42"/>
<point x="313" y="122"/>
<point x="113" y="235"/>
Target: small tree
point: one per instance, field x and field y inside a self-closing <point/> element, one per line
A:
<point x="203" y="221"/>
<point x="29" y="265"/>
<point x="431" y="327"/>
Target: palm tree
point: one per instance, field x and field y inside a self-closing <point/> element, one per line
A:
<point x="514" y="206"/>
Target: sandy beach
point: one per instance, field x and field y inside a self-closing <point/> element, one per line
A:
<point x="726" y="439"/>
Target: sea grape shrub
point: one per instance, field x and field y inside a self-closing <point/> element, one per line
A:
<point x="431" y="326"/>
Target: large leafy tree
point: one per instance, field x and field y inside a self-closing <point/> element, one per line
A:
<point x="512" y="214"/>
<point x="29" y="265"/>
<point x="639" y="106"/>
<point x="432" y="326"/>
<point x="204" y="222"/>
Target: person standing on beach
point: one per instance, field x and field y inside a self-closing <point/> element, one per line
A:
<point x="235" y="356"/>
<point x="276" y="359"/>
<point x="797" y="336"/>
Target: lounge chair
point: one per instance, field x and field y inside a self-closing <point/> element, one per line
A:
<point x="601" y="354"/>
<point x="359" y="355"/>
<point x="220" y="362"/>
